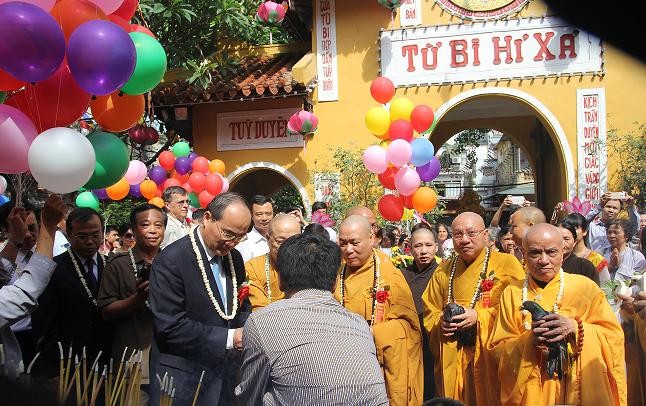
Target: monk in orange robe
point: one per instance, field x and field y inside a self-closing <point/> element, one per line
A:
<point x="633" y="315"/>
<point x="261" y="271"/>
<point x="594" y="367"/>
<point x="474" y="279"/>
<point x="372" y="287"/>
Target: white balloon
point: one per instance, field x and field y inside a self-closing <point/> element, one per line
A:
<point x="61" y="160"/>
<point x="3" y="185"/>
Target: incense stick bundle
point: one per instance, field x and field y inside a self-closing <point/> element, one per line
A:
<point x="61" y="369"/>
<point x="197" y="390"/>
<point x="95" y="393"/>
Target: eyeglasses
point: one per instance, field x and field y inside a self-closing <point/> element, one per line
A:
<point x="128" y="235"/>
<point x="94" y="236"/>
<point x="228" y="237"/>
<point x="471" y="234"/>
<point x="181" y="202"/>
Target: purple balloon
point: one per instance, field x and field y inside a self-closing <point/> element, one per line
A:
<point x="183" y="165"/>
<point x="101" y="194"/>
<point x="32" y="45"/>
<point x="429" y="171"/>
<point x="101" y="56"/>
<point x="157" y="174"/>
<point x="134" y="191"/>
<point x="192" y="157"/>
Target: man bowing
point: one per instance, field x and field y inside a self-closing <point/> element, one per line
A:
<point x="473" y="280"/>
<point x="198" y="316"/>
<point x="372" y="287"/>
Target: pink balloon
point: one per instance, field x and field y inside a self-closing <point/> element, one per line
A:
<point x="17" y="132"/>
<point x="136" y="172"/>
<point x="407" y="181"/>
<point x="399" y="152"/>
<point x="108" y="6"/>
<point x="225" y="184"/>
<point x="375" y="159"/>
<point x="46" y="5"/>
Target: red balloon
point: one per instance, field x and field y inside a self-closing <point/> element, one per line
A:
<point x="391" y="208"/>
<point x="187" y="187"/>
<point x="400" y="129"/>
<point x="205" y="198"/>
<point x="140" y="28"/>
<point x="167" y="160"/>
<point x="213" y="183"/>
<point x="152" y="135"/>
<point x="160" y="191"/>
<point x="181" y="178"/>
<point x="422" y="118"/>
<point x="127" y="9"/>
<point x="127" y="27"/>
<point x="197" y="181"/>
<point x="8" y="82"/>
<point x="201" y="165"/>
<point x="137" y="134"/>
<point x="407" y="201"/>
<point x="171" y="182"/>
<point x="382" y="90"/>
<point x="387" y="178"/>
<point x="57" y="101"/>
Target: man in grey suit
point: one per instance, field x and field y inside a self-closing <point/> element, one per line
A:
<point x="307" y="349"/>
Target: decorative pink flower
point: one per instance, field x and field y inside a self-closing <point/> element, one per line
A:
<point x="577" y="206"/>
<point x="323" y="219"/>
<point x="303" y="122"/>
<point x="270" y="13"/>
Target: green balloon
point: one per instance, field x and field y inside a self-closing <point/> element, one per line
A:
<point x="181" y="149"/>
<point x="432" y="127"/>
<point x="150" y="66"/>
<point x="194" y="200"/>
<point x="87" y="199"/>
<point x="112" y="160"/>
<point x="3" y="96"/>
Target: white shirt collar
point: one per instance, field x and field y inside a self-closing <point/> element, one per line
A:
<point x="209" y="253"/>
<point x="255" y="236"/>
<point x="176" y="221"/>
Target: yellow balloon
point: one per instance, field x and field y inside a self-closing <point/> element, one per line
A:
<point x="408" y="214"/>
<point x="378" y="121"/>
<point x="400" y="109"/>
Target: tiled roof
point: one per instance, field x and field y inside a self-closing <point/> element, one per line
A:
<point x="254" y="77"/>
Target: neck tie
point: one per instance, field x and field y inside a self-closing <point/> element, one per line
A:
<point x="91" y="278"/>
<point x="215" y="268"/>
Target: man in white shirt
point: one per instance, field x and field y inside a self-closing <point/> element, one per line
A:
<point x="609" y="210"/>
<point x="262" y="211"/>
<point x="60" y="238"/>
<point x="176" y="202"/>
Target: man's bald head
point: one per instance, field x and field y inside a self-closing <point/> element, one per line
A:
<point x="468" y="217"/>
<point x="355" y="239"/>
<point x="363" y="212"/>
<point x="469" y="235"/>
<point x="522" y="219"/>
<point x="281" y="228"/>
<point x="543" y="250"/>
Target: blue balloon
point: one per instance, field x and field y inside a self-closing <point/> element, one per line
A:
<point x="3" y="199"/>
<point x="423" y="151"/>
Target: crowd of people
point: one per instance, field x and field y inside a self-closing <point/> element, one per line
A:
<point x="238" y="304"/>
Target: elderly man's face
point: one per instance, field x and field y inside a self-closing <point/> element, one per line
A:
<point x="356" y="244"/>
<point x="469" y="237"/>
<point x="544" y="256"/>
<point x="423" y="247"/>
<point x="279" y="232"/>
<point x="221" y="236"/>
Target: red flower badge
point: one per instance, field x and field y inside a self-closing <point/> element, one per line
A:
<point x="382" y="296"/>
<point x="243" y="292"/>
<point x="486" y="285"/>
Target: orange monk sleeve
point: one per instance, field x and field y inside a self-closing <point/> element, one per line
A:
<point x="257" y="294"/>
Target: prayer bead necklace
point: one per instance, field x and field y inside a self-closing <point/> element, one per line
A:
<point x="555" y="308"/>
<point x="134" y="268"/>
<point x="267" y="277"/>
<point x="81" y="277"/>
<point x="481" y="277"/>
<point x="375" y="285"/>
<point x="207" y="285"/>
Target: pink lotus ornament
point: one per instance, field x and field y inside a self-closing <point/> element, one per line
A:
<point x="577" y="206"/>
<point x="270" y="13"/>
<point x="303" y="123"/>
<point x="323" y="219"/>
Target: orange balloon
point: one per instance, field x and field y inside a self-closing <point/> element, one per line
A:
<point x="119" y="190"/>
<point x="217" y="166"/>
<point x="116" y="112"/>
<point x="72" y="13"/>
<point x="424" y="199"/>
<point x="148" y="188"/>
<point x="157" y="201"/>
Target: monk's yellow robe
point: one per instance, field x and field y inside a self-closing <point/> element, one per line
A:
<point x="398" y="336"/>
<point x="597" y="375"/>
<point x="467" y="374"/>
<point x="635" y="333"/>
<point x="258" y="295"/>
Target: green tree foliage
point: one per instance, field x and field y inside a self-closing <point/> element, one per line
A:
<point x="118" y="213"/>
<point x="287" y="199"/>
<point x="629" y="151"/>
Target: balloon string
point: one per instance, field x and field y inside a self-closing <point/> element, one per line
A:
<point x="33" y="96"/>
<point x="58" y="98"/>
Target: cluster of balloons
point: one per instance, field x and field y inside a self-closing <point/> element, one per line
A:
<point x="203" y="179"/>
<point x="58" y="58"/>
<point x="303" y="123"/>
<point x="401" y="161"/>
<point x="271" y="13"/>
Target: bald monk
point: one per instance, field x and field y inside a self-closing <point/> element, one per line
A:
<point x="390" y="312"/>
<point x="581" y="316"/>
<point x="366" y="213"/>
<point x="474" y="280"/>
<point x="263" y="268"/>
<point x="523" y="219"/>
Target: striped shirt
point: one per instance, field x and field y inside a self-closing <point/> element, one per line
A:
<point x="309" y="350"/>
